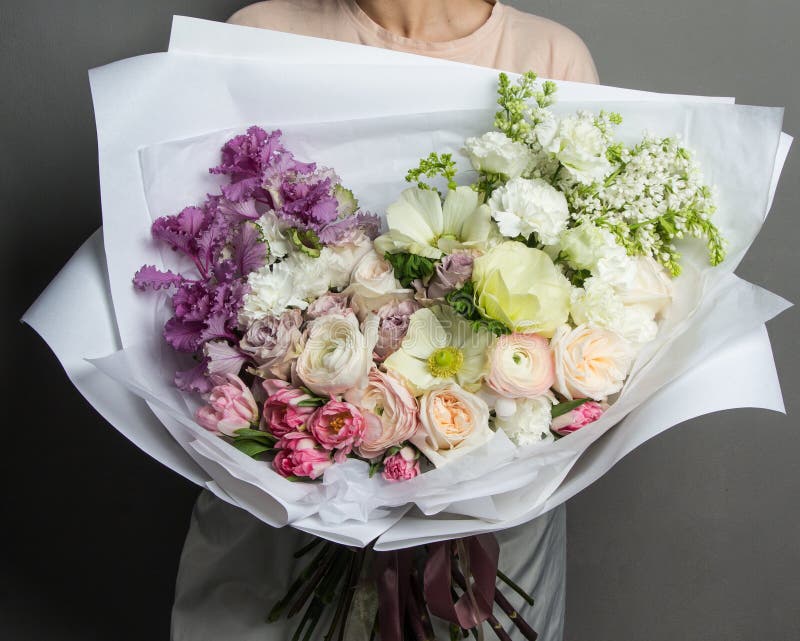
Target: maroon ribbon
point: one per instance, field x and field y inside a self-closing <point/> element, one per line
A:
<point x="477" y="558"/>
<point x="475" y="605"/>
<point x="393" y="575"/>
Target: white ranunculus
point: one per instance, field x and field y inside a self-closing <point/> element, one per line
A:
<point x="598" y="303"/>
<point x="522" y="207"/>
<point x="452" y="423"/>
<point x="496" y="153"/>
<point x="530" y="423"/>
<point x="581" y="147"/>
<point x="650" y="286"/>
<point x="373" y="284"/>
<point x="591" y="362"/>
<point x="337" y="356"/>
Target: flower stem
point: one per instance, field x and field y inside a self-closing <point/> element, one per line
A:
<point x="505" y="579"/>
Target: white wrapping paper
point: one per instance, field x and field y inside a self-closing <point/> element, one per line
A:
<point x="500" y="487"/>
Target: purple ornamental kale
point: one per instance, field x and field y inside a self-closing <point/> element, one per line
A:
<point x="253" y="161"/>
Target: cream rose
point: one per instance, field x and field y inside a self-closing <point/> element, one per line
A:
<point x="590" y="362"/>
<point x="373" y="284"/>
<point x="521" y="366"/>
<point x="452" y="422"/>
<point x="391" y="413"/>
<point x="337" y="356"/>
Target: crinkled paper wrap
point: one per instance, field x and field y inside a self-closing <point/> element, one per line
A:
<point x="371" y="123"/>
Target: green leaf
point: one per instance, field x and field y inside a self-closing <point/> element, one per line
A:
<point x="311" y="402"/>
<point x="250" y="447"/>
<point x="374" y="468"/>
<point x="409" y="267"/>
<point x="567" y="406"/>
<point x="256" y="435"/>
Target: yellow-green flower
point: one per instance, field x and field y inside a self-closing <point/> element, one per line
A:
<point x="522" y="288"/>
<point x="420" y="224"/>
<point x="440" y="348"/>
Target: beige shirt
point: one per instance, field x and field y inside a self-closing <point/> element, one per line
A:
<point x="510" y="39"/>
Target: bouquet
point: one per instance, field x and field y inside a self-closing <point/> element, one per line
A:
<point x="515" y="303"/>
<point x="431" y="377"/>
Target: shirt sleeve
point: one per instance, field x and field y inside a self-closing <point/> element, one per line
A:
<point x="580" y="65"/>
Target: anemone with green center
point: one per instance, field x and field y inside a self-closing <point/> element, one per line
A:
<point x="439" y="348"/>
<point x="445" y="362"/>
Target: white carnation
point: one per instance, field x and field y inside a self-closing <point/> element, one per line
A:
<point x="580" y="146"/>
<point x="588" y="246"/>
<point x="523" y="206"/>
<point x="496" y="153"/>
<point x="530" y="423"/>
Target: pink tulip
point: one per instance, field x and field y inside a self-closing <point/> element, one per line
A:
<point x="282" y="410"/>
<point x="300" y="455"/>
<point x="231" y="407"/>
<point x="338" y="426"/>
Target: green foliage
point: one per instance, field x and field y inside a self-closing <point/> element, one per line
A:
<point x="434" y="165"/>
<point x="463" y="302"/>
<point x="409" y="267"/>
<point x="566" y="406"/>
<point x="253" y="442"/>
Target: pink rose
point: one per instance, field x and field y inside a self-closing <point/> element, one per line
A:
<point x="521" y="366"/>
<point x="338" y="426"/>
<point x="283" y="412"/>
<point x="390" y="413"/>
<point x="300" y="455"/>
<point x="574" y="420"/>
<point x="231" y="407"/>
<point x="401" y="466"/>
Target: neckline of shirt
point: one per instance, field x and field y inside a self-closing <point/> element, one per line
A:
<point x="363" y="21"/>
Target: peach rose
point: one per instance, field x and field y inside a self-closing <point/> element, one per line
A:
<point x="390" y="412"/>
<point x="590" y="362"/>
<point x="452" y="422"/>
<point x="521" y="366"/>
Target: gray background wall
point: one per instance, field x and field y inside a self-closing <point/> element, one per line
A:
<point x="694" y="536"/>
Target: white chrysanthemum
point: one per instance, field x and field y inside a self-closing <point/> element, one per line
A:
<point x="496" y="153"/>
<point x="530" y="423"/>
<point x="597" y="303"/>
<point x="522" y="207"/>
<point x="580" y="146"/>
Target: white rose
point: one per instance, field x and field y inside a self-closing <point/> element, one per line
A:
<point x="598" y="303"/>
<point x="522" y="207"/>
<point x="581" y="147"/>
<point x="372" y="284"/>
<point x="650" y="286"/>
<point x="590" y="362"/>
<point x="496" y="153"/>
<point x="530" y="423"/>
<point x="452" y="423"/>
<point x="337" y="357"/>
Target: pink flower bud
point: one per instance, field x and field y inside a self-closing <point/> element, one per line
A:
<point x="282" y="410"/>
<point x="574" y="420"/>
<point x="401" y="466"/>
